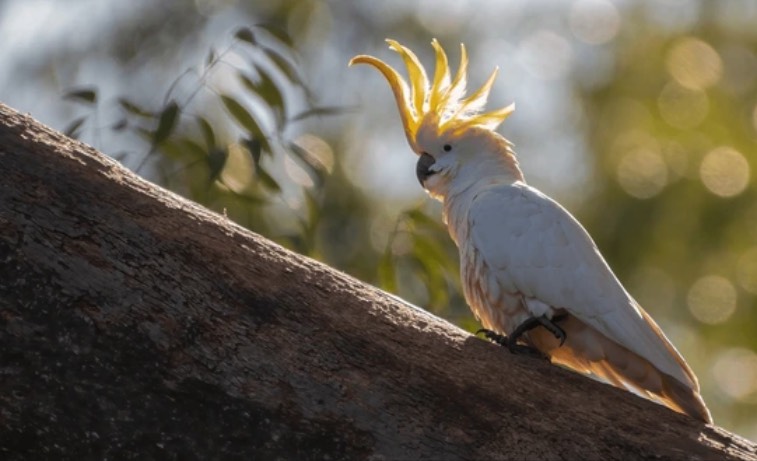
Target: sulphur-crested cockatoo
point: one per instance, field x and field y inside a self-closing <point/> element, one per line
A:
<point x="531" y="273"/>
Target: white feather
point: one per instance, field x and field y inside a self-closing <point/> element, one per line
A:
<point x="531" y="243"/>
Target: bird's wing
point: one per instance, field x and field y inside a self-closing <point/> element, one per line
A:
<point x="537" y="248"/>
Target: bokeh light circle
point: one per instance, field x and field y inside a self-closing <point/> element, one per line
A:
<point x="724" y="171"/>
<point x="712" y="299"/>
<point x="735" y="373"/>
<point x="642" y="173"/>
<point x="594" y="21"/>
<point x="694" y="64"/>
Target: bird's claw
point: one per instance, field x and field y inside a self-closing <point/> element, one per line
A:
<point x="511" y="344"/>
<point x="552" y="327"/>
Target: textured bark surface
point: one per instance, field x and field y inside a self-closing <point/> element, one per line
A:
<point x="135" y="324"/>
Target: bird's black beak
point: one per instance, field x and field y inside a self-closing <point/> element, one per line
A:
<point x="422" y="167"/>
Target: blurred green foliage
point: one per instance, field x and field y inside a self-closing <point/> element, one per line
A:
<point x="669" y="133"/>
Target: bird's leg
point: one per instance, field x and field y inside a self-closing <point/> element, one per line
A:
<point x="534" y="321"/>
<point x="551" y="325"/>
<point x="512" y="345"/>
<point x="527" y="325"/>
<point x="511" y="341"/>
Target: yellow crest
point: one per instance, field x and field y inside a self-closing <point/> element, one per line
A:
<point x="442" y="102"/>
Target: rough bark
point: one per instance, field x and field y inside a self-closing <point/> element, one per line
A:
<point x="136" y="324"/>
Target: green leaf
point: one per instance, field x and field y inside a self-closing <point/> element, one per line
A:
<point x="248" y="83"/>
<point x="193" y="150"/>
<point x="429" y="251"/>
<point x="245" y="120"/>
<point x="266" y="89"/>
<point x="207" y="132"/>
<point x="420" y="219"/>
<point x="255" y="148"/>
<point x="134" y="109"/>
<point x="269" y="91"/>
<point x="277" y="32"/>
<point x="286" y="67"/>
<point x="316" y="111"/>
<point x="241" y="115"/>
<point x="216" y="162"/>
<point x="386" y="272"/>
<point x="245" y="34"/>
<point x="72" y="130"/>
<point x="310" y="162"/>
<point x="84" y="95"/>
<point x="267" y="180"/>
<point x="314" y="210"/>
<point x="171" y="149"/>
<point x="166" y="123"/>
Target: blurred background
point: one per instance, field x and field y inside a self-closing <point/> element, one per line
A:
<point x="640" y="117"/>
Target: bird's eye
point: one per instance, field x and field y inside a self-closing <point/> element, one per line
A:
<point x="447" y="148"/>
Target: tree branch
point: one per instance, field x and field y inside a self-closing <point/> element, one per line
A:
<point x="137" y="324"/>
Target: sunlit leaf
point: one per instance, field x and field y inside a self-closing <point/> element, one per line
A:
<point x="83" y="95"/>
<point x="431" y="252"/>
<point x="245" y="34"/>
<point x="72" y="130"/>
<point x="420" y="219"/>
<point x="166" y="123"/>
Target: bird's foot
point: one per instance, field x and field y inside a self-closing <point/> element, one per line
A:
<point x="552" y="327"/>
<point x="511" y="344"/>
<point x="533" y="322"/>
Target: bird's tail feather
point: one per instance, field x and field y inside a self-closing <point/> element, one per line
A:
<point x="590" y="352"/>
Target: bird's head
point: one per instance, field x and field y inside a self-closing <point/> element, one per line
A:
<point x="454" y="139"/>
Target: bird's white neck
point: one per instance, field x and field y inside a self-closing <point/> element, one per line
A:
<point x="458" y="200"/>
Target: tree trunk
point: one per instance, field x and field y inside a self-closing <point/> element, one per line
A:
<point x="137" y="324"/>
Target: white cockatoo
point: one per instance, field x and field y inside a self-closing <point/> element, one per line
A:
<point x="531" y="273"/>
